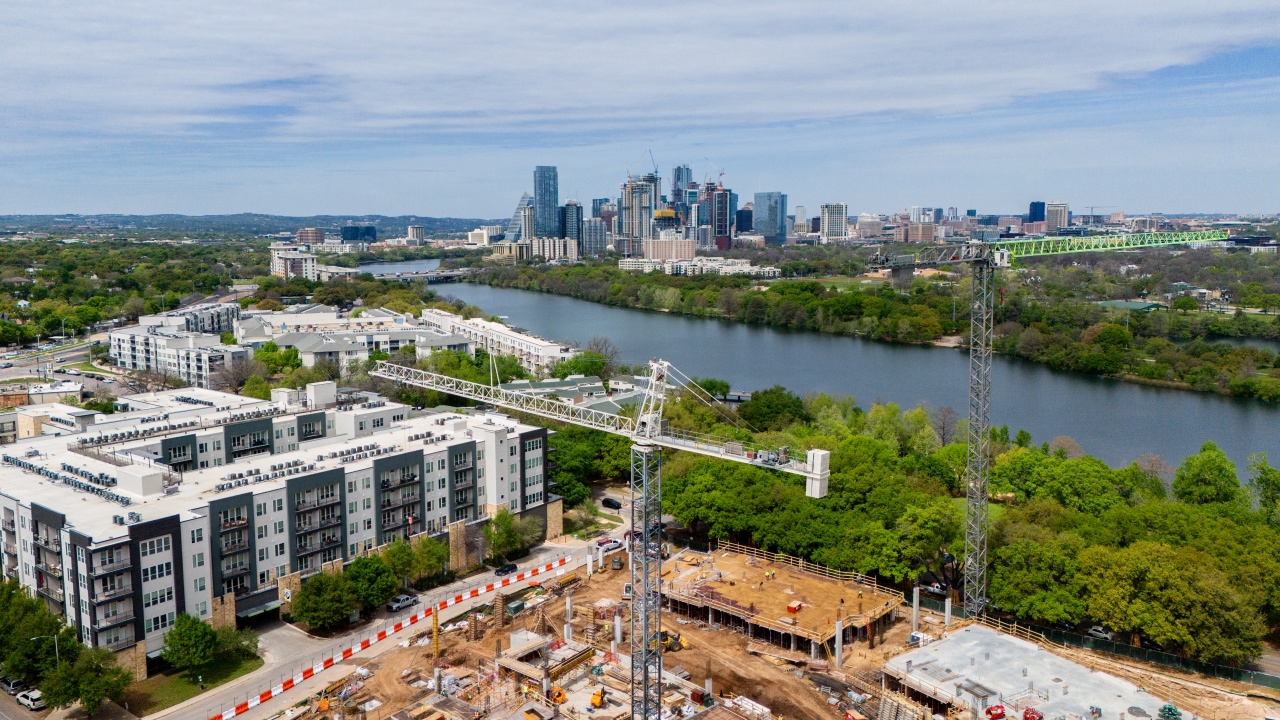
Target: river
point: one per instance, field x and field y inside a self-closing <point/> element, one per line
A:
<point x="1111" y="420"/>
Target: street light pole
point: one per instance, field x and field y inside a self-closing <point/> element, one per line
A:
<point x="56" y="657"/>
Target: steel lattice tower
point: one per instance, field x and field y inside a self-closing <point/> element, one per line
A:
<point x="977" y="471"/>
<point x="646" y="576"/>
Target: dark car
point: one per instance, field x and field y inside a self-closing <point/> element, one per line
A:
<point x="611" y="503"/>
<point x="11" y="686"/>
<point x="506" y="569"/>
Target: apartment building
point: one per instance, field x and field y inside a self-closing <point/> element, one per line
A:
<point x="193" y="357"/>
<point x="198" y="501"/>
<point x="496" y="338"/>
<point x="203" y="318"/>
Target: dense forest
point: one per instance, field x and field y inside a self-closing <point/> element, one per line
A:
<point x="1047" y="312"/>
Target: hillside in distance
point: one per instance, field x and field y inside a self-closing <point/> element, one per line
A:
<point x="239" y="224"/>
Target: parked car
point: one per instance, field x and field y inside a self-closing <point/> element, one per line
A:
<point x="1098" y="632"/>
<point x="611" y="503"/>
<point x="608" y="544"/>
<point x="401" y="602"/>
<point x="7" y="365"/>
<point x="72" y="371"/>
<point x="11" y="686"/>
<point x="506" y="569"/>
<point x="32" y="700"/>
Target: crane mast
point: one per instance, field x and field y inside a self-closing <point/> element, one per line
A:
<point x="648" y="435"/>
<point x="986" y="257"/>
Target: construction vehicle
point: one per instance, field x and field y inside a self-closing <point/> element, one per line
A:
<point x="671" y="642"/>
<point x="557" y="695"/>
<point x="995" y="712"/>
<point x="617" y="562"/>
<point x="598" y="698"/>
<point x="626" y="591"/>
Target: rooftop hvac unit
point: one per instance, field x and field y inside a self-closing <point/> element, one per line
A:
<point x="117" y="519"/>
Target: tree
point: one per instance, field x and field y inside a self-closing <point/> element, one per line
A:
<point x="945" y="421"/>
<point x="1207" y="477"/>
<point x="190" y="643"/>
<point x="232" y="376"/>
<point x="586" y="363"/>
<point x="530" y="531"/>
<point x="325" y="601"/>
<point x="398" y="557"/>
<point x="372" y="580"/>
<point x="1184" y="303"/>
<point x="605" y="348"/>
<point x="430" y="556"/>
<point x="237" y="642"/>
<point x="256" y="387"/>
<point x="714" y="387"/>
<point x="94" y="678"/>
<point x="773" y="409"/>
<point x="1264" y="485"/>
<point x="227" y="337"/>
<point x="502" y="534"/>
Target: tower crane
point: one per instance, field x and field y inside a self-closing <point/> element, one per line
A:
<point x="985" y="257"/>
<point x="648" y="434"/>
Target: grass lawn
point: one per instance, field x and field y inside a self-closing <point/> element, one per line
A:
<point x="995" y="511"/>
<point x="172" y="687"/>
<point x="14" y="381"/>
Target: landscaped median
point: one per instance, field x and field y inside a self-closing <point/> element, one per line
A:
<point x="414" y="619"/>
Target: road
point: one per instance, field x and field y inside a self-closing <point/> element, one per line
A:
<point x="299" y="650"/>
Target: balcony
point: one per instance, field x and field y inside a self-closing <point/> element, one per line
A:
<point x="11" y="549"/>
<point x="8" y="525"/>
<point x="464" y="465"/>
<point x="113" y="566"/>
<point x="233" y="523"/>
<point x="50" y="593"/>
<point x="47" y="569"/>
<point x="47" y="543"/>
<point x="234" y="571"/>
<point x="396" y="523"/>
<point x="112" y="594"/>
<point x="393" y="502"/>
<point x="119" y="645"/>
<point x="11" y="571"/>
<point x="230" y="548"/>
<point x="118" y="619"/>
<point x="392" y="483"/>
<point x="316" y="503"/>
<point x="331" y="542"/>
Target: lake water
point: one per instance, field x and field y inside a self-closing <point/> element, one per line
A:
<point x="1111" y="420"/>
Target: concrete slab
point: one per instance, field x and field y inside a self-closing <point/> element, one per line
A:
<point x="979" y="667"/>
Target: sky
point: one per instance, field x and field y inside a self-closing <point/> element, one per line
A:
<point x="444" y="108"/>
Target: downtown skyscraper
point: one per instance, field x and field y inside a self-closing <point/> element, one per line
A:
<point x="546" y="201"/>
<point x="769" y="217"/>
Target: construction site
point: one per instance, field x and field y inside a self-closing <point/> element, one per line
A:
<point x="754" y="636"/>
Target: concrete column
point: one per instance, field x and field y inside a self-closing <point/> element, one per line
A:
<point x="568" y="617"/>
<point x="946" y="621"/>
<point x="813" y="649"/>
<point x="915" y="609"/>
<point x="839" y="644"/>
<point x="617" y="632"/>
<point x="588" y="563"/>
<point x="706" y="684"/>
<point x="793" y="642"/>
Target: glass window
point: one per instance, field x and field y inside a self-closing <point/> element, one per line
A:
<point x="197" y="535"/>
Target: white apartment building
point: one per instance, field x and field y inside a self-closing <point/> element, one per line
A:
<point x="256" y="328"/>
<point x="700" y="266"/>
<point x="288" y="262"/>
<point x="193" y="357"/>
<point x="201" y="502"/>
<point x="834" y="222"/>
<point x="670" y="245"/>
<point x="495" y="338"/>
<point x="202" y="318"/>
<point x="554" y="248"/>
<point x="343" y="347"/>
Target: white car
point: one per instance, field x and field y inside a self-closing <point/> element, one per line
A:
<point x="32" y="700"/>
<point x="608" y="545"/>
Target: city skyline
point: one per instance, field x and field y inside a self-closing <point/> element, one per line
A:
<point x="203" y="111"/>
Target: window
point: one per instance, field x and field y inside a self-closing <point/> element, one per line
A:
<point x="513" y="469"/>
<point x="351" y="506"/>
<point x="279" y="434"/>
<point x="199" y="584"/>
<point x="156" y="597"/>
<point x="217" y="444"/>
<point x="155" y="572"/>
<point x="442" y="481"/>
<point x="480" y="473"/>
<point x="532" y="462"/>
<point x="428" y="506"/>
<point x="513" y="486"/>
<point x="379" y="422"/>
<point x="368" y="523"/>
<point x="440" y="464"/>
<point x="264" y="577"/>
<point x="217" y="462"/>
<point x="368" y="503"/>
<point x="83" y="580"/>
<point x="511" y="451"/>
<point x="262" y="531"/>
<point x="479" y="454"/>
<point x="352" y="528"/>
<point x="263" y="554"/>
<point x="533" y="498"/>
<point x="279" y="526"/>
<point x="151" y="547"/>
<point x="532" y="445"/>
<point x="80" y="555"/>
<point x="197" y="535"/>
<point x="204" y="448"/>
<point x="352" y="549"/>
<point x="261" y="509"/>
<point x="279" y="549"/>
<point x="351" y="486"/>
<point x="159" y="623"/>
<point x="362" y="425"/>
<point x="197" y="560"/>
<point x="202" y="608"/>
<point x="278" y="504"/>
<point x="291" y="431"/>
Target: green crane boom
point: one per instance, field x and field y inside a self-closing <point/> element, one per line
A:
<point x="985" y="258"/>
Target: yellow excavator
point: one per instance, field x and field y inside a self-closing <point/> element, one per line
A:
<point x="557" y="695"/>
<point x="598" y="698"/>
<point x="672" y="642"/>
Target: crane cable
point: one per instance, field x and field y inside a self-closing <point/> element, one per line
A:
<point x="690" y="384"/>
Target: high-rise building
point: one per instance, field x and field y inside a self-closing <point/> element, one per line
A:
<point x="971" y="213"/>
<point x="594" y="237"/>
<point x="1035" y="213"/>
<point x="869" y="225"/>
<point x="359" y="234"/>
<point x="835" y="222"/>
<point x="718" y="209"/>
<point x="609" y="214"/>
<point x="670" y="245"/>
<point x="640" y="197"/>
<point x="310" y="235"/>
<point x="769" y="218"/>
<point x="743" y="220"/>
<point x="546" y="201"/>
<point x="1056" y="215"/>
<point x="915" y="213"/>
<point x="513" y="228"/>
<point x="801" y="219"/>
<point x="528" y="223"/>
<point x="681" y="176"/>
<point x="598" y="204"/>
<point x="953" y="213"/>
<point x="571" y="222"/>
<point x="417" y="232"/>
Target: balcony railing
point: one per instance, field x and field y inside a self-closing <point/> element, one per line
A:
<point x="113" y="620"/>
<point x="50" y="593"/>
<point x="8" y="525"/>
<point x="119" y="644"/>
<point x="119" y="591"/>
<point x="229" y="548"/>
<point x="234" y="571"/>
<point x="233" y="523"/>
<point x="54" y="570"/>
<point x="464" y="465"/>
<point x="391" y="483"/>
<point x="47" y="543"/>
<point x="113" y="566"/>
<point x="396" y="523"/>
<point x="316" y="503"/>
<point x="11" y="549"/>
<point x="11" y="571"/>
<point x="392" y="502"/>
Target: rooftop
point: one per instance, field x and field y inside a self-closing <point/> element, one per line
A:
<point x="977" y="663"/>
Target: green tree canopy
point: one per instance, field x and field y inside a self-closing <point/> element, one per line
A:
<point x="325" y="601"/>
<point x="502" y="534"/>
<point x="372" y="580"/>
<point x="94" y="678"/>
<point x="773" y="409"/>
<point x="190" y="643"/>
<point x="1207" y="477"/>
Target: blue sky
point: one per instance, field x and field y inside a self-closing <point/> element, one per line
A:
<point x="444" y="109"/>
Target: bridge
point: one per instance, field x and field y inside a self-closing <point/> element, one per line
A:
<point x="431" y="276"/>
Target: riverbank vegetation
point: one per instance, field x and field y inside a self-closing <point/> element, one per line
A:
<point x="1048" y="313"/>
<point x="1183" y="557"/>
